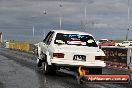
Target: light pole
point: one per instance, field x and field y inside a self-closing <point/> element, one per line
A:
<point x="85" y="15"/>
<point x="60" y="15"/>
<point x="45" y="12"/>
<point x="33" y="27"/>
<point x="85" y="18"/>
<point x="33" y="30"/>
<point x="128" y="13"/>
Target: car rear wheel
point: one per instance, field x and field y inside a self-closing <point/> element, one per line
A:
<point x="95" y="71"/>
<point x="48" y="69"/>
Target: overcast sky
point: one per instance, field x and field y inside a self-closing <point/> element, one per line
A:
<point x="105" y="18"/>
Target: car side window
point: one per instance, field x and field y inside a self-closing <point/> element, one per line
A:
<point x="49" y="38"/>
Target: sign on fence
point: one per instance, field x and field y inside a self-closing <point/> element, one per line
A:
<point x="118" y="55"/>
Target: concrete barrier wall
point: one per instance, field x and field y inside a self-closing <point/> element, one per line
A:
<point x="22" y="46"/>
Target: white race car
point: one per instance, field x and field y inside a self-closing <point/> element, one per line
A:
<point x="70" y="49"/>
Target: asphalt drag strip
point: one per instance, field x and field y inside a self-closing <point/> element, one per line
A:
<point x="19" y="70"/>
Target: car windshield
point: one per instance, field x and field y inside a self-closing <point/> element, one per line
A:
<point x="75" y="39"/>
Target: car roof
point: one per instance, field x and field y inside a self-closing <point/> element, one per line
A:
<point x="103" y="39"/>
<point x="71" y="32"/>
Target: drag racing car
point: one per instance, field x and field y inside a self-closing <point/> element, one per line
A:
<point x="70" y="49"/>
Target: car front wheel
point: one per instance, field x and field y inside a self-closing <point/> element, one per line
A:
<point x="39" y="62"/>
<point x="46" y="67"/>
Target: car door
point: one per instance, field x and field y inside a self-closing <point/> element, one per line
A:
<point x="47" y="41"/>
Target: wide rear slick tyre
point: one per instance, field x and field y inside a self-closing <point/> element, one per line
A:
<point x="95" y="71"/>
<point x="48" y="70"/>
